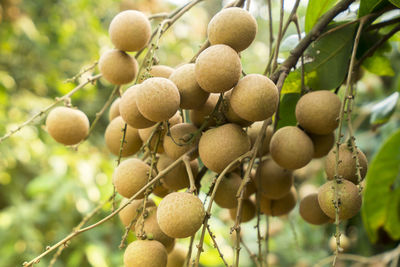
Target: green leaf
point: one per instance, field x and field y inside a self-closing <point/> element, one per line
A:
<point x="381" y="202"/>
<point x="315" y="9"/>
<point x="292" y="83"/>
<point x="379" y="65"/>
<point x="329" y="58"/>
<point x="395" y="2"/>
<point x="369" y="6"/>
<point x="287" y="109"/>
<point x="383" y="110"/>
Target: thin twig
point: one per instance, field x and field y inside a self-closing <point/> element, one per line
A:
<point x="216" y="245"/>
<point x="252" y="255"/>
<point x="190" y="175"/>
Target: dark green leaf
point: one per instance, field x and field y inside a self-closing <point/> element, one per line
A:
<point x="381" y="200"/>
<point x="383" y="110"/>
<point x="379" y="65"/>
<point x="287" y="109"/>
<point x="315" y="9"/>
<point x="369" y="6"/>
<point x="395" y="2"/>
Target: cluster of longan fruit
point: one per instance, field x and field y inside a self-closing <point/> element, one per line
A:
<point x="225" y="115"/>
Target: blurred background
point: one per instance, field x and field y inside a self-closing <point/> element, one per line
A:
<point x="46" y="188"/>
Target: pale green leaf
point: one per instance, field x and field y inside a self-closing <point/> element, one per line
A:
<point x="315" y="9"/>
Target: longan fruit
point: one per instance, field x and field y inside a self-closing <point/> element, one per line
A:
<point x="161" y="71"/>
<point x="254" y="98"/>
<point x="192" y="96"/>
<point x="234" y="27"/>
<point x="182" y="134"/>
<point x="230" y="114"/>
<point x="114" y="109"/>
<point x="131" y="176"/>
<point x="114" y="134"/>
<point x="132" y="211"/>
<point x="177" y="178"/>
<point x="180" y="214"/>
<point x="278" y="207"/>
<point x="273" y="181"/>
<point x="344" y="243"/>
<point x="130" y="30"/>
<point x="307" y="189"/>
<point x="225" y="196"/>
<point x="218" y="68"/>
<point x="218" y="147"/>
<point x="198" y="116"/>
<point x="177" y="257"/>
<point x="291" y="148"/>
<point x="129" y="110"/>
<point x="350" y="199"/>
<point x="311" y="212"/>
<point x="248" y="211"/>
<point x="118" y="67"/>
<point x="67" y="126"/>
<point x="159" y="190"/>
<point x="158" y="99"/>
<point x="317" y="112"/>
<point x="347" y="164"/>
<point x="322" y="144"/>
<point x="253" y="132"/>
<point x="149" y="253"/>
<point x="150" y="228"/>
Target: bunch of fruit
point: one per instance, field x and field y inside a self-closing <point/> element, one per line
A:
<point x="226" y="114"/>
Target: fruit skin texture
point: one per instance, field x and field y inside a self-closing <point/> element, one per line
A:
<point x="192" y="96"/>
<point x="180" y="214"/>
<point x="113" y="136"/>
<point x="197" y="116"/>
<point x="220" y="146"/>
<point x="291" y="148"/>
<point x="130" y="176"/>
<point x="218" y="68"/>
<point x="145" y="253"/>
<point x="177" y="257"/>
<point x="317" y="112"/>
<point x="151" y="228"/>
<point x="274" y="181"/>
<point x="225" y="196"/>
<point x="322" y="144"/>
<point x="180" y="133"/>
<point x="254" y="98"/>
<point x="132" y="210"/>
<point x="278" y="207"/>
<point x="161" y="71"/>
<point x="230" y="114"/>
<point x="130" y="30"/>
<point x="248" y="211"/>
<point x="114" y="109"/>
<point x="253" y="132"/>
<point x="67" y="126"/>
<point x="347" y="164"/>
<point x="129" y="110"/>
<point x="311" y="212"/>
<point x="118" y="67"/>
<point x="177" y="178"/>
<point x="234" y="27"/>
<point x="158" y="99"/>
<point x="350" y="199"/>
<point x="159" y="190"/>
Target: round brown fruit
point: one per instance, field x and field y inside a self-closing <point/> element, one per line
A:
<point x="218" y="68"/>
<point x="158" y="99"/>
<point x="347" y="167"/>
<point x="177" y="256"/>
<point x="161" y="71"/>
<point x="129" y="110"/>
<point x="131" y="176"/>
<point x="225" y="196"/>
<point x="182" y="134"/>
<point x="180" y="214"/>
<point x="67" y="126"/>
<point x="253" y="132"/>
<point x="322" y="144"/>
<point x="274" y="181"/>
<point x="311" y="212"/>
<point x="114" y="109"/>
<point x="218" y="147"/>
<point x="192" y="96"/>
<point x="130" y="30"/>
<point x="149" y="253"/>
<point x="132" y="211"/>
<point x="254" y="98"/>
<point x="149" y="227"/>
<point x="198" y="116"/>
<point x="114" y="134"/>
<point x="350" y="199"/>
<point x="177" y="178"/>
<point x="234" y="27"/>
<point x="291" y="148"/>
<point x="248" y="211"/>
<point x="317" y="112"/>
<point x="229" y="114"/>
<point x="118" y="67"/>
<point x="278" y="207"/>
<point x="159" y="190"/>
